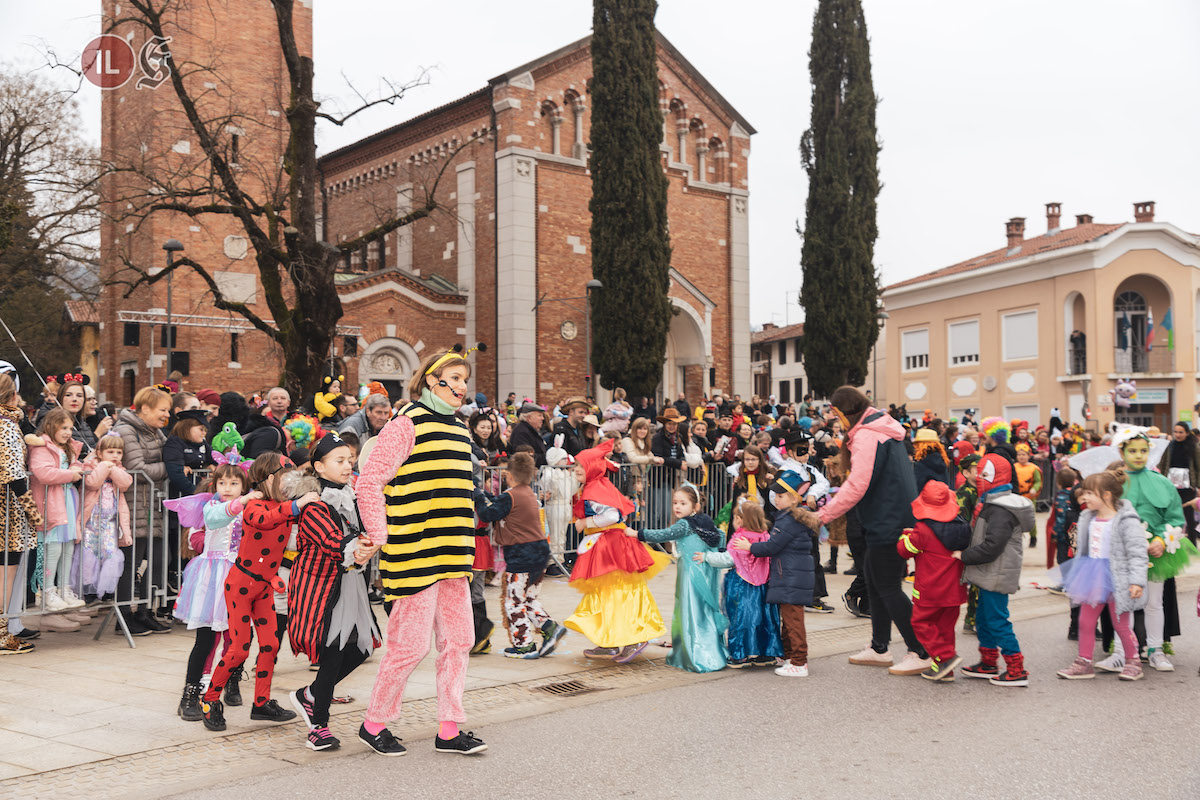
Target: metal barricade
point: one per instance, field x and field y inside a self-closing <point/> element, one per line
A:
<point x="62" y="576"/>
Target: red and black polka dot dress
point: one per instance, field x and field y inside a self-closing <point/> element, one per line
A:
<point x="250" y="595"/>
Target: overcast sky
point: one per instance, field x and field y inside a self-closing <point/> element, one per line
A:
<point x="988" y="109"/>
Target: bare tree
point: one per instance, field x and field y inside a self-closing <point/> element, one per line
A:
<point x="275" y="202"/>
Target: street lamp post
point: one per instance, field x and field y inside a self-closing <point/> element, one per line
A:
<point x="882" y="316"/>
<point x="590" y="287"/>
<point x="172" y="246"/>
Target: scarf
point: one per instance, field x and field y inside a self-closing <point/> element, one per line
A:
<point x="751" y="485"/>
<point x="436" y="404"/>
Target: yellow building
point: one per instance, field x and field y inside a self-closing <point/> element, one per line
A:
<point x="1055" y="321"/>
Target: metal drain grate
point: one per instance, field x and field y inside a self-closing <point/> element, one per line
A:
<point x="568" y="689"/>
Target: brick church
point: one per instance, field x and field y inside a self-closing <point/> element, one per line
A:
<point x="506" y="262"/>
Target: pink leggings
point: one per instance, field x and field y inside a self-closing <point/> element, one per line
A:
<point x="1088" y="614"/>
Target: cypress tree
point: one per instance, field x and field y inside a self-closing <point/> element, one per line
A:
<point x="631" y="252"/>
<point x="839" y="151"/>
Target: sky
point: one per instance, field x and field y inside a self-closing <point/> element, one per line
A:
<point x="988" y="110"/>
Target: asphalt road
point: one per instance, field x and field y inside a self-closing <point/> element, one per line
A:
<point x="843" y="732"/>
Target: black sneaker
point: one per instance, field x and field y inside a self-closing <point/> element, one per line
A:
<point x="738" y="663"/>
<point x="320" y="738"/>
<point x="233" y="692"/>
<point x="303" y="706"/>
<point x="136" y="628"/>
<point x="553" y="634"/>
<point x="852" y="571"/>
<point x="383" y="742"/>
<point x="819" y="607"/>
<point x="981" y="670"/>
<point x="464" y="744"/>
<point x="189" y="704"/>
<point x="271" y="711"/>
<point x="151" y="624"/>
<point x="851" y="604"/>
<point x="528" y="651"/>
<point x="214" y="715"/>
<point x="764" y="661"/>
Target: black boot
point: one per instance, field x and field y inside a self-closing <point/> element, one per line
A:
<point x="233" y="692"/>
<point x="831" y="564"/>
<point x="189" y="704"/>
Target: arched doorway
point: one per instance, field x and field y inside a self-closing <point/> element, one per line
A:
<point x="390" y="361"/>
<point x="687" y="356"/>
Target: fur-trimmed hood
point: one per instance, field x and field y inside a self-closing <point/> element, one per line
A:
<point x="297" y="483"/>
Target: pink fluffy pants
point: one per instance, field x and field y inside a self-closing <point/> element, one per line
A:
<point x="444" y="607"/>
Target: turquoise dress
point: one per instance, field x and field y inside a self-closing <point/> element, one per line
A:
<point x="698" y="625"/>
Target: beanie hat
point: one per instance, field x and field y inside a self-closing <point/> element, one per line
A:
<point x="208" y="396"/>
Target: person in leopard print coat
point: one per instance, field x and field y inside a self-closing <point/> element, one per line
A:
<point x="20" y="515"/>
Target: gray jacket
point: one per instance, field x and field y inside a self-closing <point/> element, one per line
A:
<point x="357" y="424"/>
<point x="143" y="454"/>
<point x="1127" y="557"/>
<point x="993" y="561"/>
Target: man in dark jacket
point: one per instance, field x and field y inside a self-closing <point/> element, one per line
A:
<point x="528" y="432"/>
<point x="571" y="426"/>
<point x="681" y="405"/>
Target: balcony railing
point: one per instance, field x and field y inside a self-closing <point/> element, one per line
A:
<point x="1077" y="361"/>
<point x="1138" y="359"/>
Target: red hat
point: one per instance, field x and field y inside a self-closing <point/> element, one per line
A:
<point x="208" y="396"/>
<point x="962" y="449"/>
<point x="994" y="470"/>
<point x="935" y="502"/>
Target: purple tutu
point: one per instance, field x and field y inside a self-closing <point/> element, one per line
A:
<point x="1087" y="581"/>
<point x="201" y="602"/>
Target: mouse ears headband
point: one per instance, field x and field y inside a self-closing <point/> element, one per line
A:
<point x="68" y="377"/>
<point x="454" y="352"/>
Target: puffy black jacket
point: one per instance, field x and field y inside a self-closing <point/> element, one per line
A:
<point x="792" y="571"/>
<point x="523" y="433"/>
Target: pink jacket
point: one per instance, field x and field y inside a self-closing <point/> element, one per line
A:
<point x="92" y="484"/>
<point x="47" y="480"/>
<point x="862" y="440"/>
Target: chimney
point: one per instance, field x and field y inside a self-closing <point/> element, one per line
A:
<point x="768" y="326"/>
<point x="1143" y="212"/>
<point x="1053" y="216"/>
<point x="1083" y="219"/>
<point x="1015" y="228"/>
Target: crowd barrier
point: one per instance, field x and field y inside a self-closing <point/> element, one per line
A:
<point x="153" y="564"/>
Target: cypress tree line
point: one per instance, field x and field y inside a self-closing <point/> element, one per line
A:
<point x="839" y="151"/>
<point x="631" y="251"/>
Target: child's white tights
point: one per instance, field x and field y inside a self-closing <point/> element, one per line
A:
<point x="56" y="565"/>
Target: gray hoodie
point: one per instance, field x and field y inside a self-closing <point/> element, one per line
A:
<point x="993" y="561"/>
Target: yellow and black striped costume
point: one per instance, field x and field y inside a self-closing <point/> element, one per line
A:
<point x="430" y="511"/>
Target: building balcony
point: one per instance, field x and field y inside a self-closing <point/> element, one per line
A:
<point x="1077" y="361"/>
<point x="1139" y="360"/>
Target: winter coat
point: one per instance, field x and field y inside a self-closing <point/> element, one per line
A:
<point x="880" y="487"/>
<point x="178" y="454"/>
<point x="48" y="479"/>
<point x="994" y="558"/>
<point x="929" y="543"/>
<point x="671" y="452"/>
<point x="1127" y="556"/>
<point x="792" y="570"/>
<point x="931" y="468"/>
<point x="143" y="454"/>
<point x="524" y="433"/>
<point x="94" y="482"/>
<point x="616" y="417"/>
<point x="573" y="440"/>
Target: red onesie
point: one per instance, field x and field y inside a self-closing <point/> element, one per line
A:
<point x="250" y="595"/>
<point x="938" y="589"/>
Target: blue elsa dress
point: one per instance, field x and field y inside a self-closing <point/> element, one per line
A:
<point x="698" y="624"/>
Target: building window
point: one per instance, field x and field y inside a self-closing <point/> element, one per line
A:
<point x="234" y="148"/>
<point x="133" y="334"/>
<point x="783" y="352"/>
<point x="963" y="338"/>
<point x="785" y="392"/>
<point x="799" y="384"/>
<point x="349" y="346"/>
<point x="915" y="349"/>
<point x="180" y="360"/>
<point x="162" y="336"/>
<point x="233" y="347"/>
<point x="1020" y="335"/>
<point x="796" y="351"/>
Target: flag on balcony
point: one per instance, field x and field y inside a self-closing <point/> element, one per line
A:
<point x="1169" y="326"/>
<point x="1149" y="329"/>
<point x="1122" y="331"/>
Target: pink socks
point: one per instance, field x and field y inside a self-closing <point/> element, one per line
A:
<point x="448" y="730"/>
<point x="373" y="728"/>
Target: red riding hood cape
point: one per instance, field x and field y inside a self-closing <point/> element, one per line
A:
<point x="596" y="486"/>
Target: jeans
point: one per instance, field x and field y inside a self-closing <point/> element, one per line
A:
<point x="885" y="571"/>
<point x="992" y="625"/>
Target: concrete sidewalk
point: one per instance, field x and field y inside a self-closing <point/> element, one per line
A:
<point x="75" y="701"/>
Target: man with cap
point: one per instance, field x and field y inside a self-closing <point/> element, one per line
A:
<point x="528" y="431"/>
<point x="574" y="410"/>
<point x="938" y="590"/>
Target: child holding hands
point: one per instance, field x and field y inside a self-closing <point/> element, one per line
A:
<point x="1109" y="570"/>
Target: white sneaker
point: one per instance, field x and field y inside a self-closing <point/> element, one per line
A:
<point x="1159" y="660"/>
<point x="54" y="602"/>
<point x="71" y="599"/>
<point x="1114" y="663"/>
<point x="790" y="670"/>
<point x="911" y="664"/>
<point x="869" y="658"/>
<point x="58" y="624"/>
